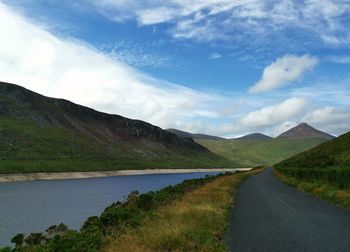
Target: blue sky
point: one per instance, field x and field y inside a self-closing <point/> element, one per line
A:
<point x="223" y="67"/>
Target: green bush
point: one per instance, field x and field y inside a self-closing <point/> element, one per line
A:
<point x="18" y="240"/>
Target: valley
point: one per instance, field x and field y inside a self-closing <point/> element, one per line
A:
<point x="175" y="126"/>
<point x="258" y="149"/>
<point x="90" y="153"/>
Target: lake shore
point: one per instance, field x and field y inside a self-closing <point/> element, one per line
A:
<point x="81" y="175"/>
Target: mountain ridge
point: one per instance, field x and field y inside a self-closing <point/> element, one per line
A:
<point x="254" y="136"/>
<point x="37" y="128"/>
<point x="304" y="130"/>
<point x="182" y="133"/>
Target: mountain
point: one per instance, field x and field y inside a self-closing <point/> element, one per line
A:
<point x="258" y="149"/>
<point x="247" y="152"/>
<point x="334" y="153"/>
<point x="193" y="136"/>
<point x="39" y="133"/>
<point x="255" y="136"/>
<point x="305" y="130"/>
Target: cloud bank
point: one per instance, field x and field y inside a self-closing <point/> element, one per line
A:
<point x="334" y="119"/>
<point x="274" y="114"/>
<point x="70" y="69"/>
<point x="208" y="20"/>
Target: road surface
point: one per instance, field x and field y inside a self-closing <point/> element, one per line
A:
<point x="271" y="216"/>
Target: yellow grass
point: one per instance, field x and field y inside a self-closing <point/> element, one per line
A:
<point x="196" y="222"/>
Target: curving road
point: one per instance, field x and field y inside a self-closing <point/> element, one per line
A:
<point x="271" y="216"/>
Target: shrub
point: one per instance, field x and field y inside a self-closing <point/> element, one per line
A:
<point x="35" y="239"/>
<point x="18" y="240"/>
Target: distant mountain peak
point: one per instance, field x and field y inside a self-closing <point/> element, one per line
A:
<point x="193" y="136"/>
<point x="304" y="130"/>
<point x="255" y="136"/>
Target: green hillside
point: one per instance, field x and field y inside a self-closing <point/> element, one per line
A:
<point x="258" y="152"/>
<point x="38" y="133"/>
<point x="323" y="171"/>
<point x="334" y="153"/>
<point x="328" y="162"/>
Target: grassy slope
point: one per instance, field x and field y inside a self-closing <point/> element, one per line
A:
<point x="196" y="222"/>
<point x="323" y="171"/>
<point x="258" y="152"/>
<point x="27" y="147"/>
<point x="39" y="133"/>
<point x="335" y="153"/>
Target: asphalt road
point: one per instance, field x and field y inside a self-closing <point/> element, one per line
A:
<point x="271" y="216"/>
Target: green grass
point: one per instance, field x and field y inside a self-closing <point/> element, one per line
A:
<point x="328" y="191"/>
<point x="323" y="171"/>
<point x="334" y="153"/>
<point x="260" y="152"/>
<point x="197" y="210"/>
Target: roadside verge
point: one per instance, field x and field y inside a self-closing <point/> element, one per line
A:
<point x="318" y="188"/>
<point x="196" y="222"/>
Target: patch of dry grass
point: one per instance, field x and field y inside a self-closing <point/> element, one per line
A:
<point x="196" y="222"/>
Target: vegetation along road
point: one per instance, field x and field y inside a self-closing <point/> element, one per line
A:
<point x="271" y="216"/>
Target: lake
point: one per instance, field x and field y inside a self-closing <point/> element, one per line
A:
<point x="33" y="206"/>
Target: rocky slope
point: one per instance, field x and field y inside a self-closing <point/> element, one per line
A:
<point x="38" y="128"/>
<point x="305" y="130"/>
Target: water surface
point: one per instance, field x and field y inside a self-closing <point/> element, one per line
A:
<point x="32" y="206"/>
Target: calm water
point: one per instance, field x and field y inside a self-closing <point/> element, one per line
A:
<point x="35" y="205"/>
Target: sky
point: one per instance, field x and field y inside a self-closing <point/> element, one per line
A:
<point x="220" y="67"/>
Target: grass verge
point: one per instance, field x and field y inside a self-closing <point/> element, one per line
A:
<point x="195" y="222"/>
<point x="318" y="188"/>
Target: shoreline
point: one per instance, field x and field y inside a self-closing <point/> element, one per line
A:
<point x="17" y="177"/>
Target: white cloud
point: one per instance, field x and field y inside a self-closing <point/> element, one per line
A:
<point x="134" y="54"/>
<point x="274" y="114"/>
<point x="330" y="119"/>
<point x="271" y="119"/>
<point x="327" y="19"/>
<point x="283" y="127"/>
<point x="33" y="57"/>
<point x="214" y="56"/>
<point x="283" y="71"/>
<point x="156" y="15"/>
